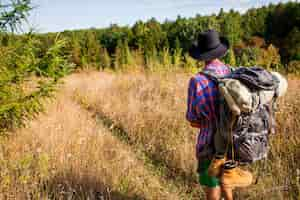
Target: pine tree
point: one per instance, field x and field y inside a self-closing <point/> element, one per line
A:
<point x="126" y="54"/>
<point x="76" y="52"/>
<point x="269" y="58"/>
<point x="166" y="58"/>
<point x="177" y="61"/>
<point x="105" y="60"/>
<point x="189" y="63"/>
<point x="117" y="57"/>
<point x="23" y="57"/>
<point x="230" y="57"/>
<point x="244" y="61"/>
<point x="92" y="48"/>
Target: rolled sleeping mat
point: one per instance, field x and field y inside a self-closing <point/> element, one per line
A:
<point x="230" y="101"/>
<point x="283" y="84"/>
<point x="240" y="93"/>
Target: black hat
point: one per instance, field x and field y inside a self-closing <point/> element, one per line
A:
<point x="209" y="45"/>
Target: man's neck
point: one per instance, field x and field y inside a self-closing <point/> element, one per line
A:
<point x="211" y="61"/>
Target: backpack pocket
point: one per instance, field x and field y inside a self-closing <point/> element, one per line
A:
<point x="251" y="147"/>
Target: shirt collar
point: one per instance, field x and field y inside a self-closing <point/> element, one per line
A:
<point x="214" y="63"/>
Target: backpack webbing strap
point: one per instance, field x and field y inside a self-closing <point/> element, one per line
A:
<point x="230" y="140"/>
<point x="217" y="79"/>
<point x="264" y="164"/>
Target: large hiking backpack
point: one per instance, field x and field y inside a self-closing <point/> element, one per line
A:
<point x="246" y="118"/>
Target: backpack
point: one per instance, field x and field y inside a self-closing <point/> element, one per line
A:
<point x="245" y="119"/>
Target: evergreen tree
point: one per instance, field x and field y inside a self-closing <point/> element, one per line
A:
<point x="177" y="53"/>
<point x="244" y="60"/>
<point x="269" y="58"/>
<point x="75" y="52"/>
<point x="105" y="60"/>
<point x="117" y="57"/>
<point x="13" y="13"/>
<point x="22" y="58"/>
<point x="230" y="58"/>
<point x="291" y="50"/>
<point x="231" y="27"/>
<point x="126" y="54"/>
<point x="92" y="50"/>
<point x="166" y="59"/>
<point x="189" y="63"/>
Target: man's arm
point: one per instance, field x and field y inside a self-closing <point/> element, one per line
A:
<point x="191" y="114"/>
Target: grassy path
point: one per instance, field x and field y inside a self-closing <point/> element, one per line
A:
<point x="146" y="112"/>
<point x="85" y="93"/>
<point x="185" y="186"/>
<point x="66" y="154"/>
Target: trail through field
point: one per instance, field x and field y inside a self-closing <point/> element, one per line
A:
<point x="88" y="160"/>
<point x="90" y="91"/>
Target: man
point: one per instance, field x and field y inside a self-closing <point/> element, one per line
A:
<point x="202" y="112"/>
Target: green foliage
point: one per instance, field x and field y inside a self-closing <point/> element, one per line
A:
<point x="54" y="64"/>
<point x="30" y="67"/>
<point x="230" y="58"/>
<point x="75" y="52"/>
<point x="177" y="55"/>
<point x="13" y="13"/>
<point x="292" y="44"/>
<point x="256" y="29"/>
<point x="122" y="56"/>
<point x="92" y="48"/>
<point x="105" y="60"/>
<point x="166" y="59"/>
<point x="190" y="63"/>
<point x="231" y="26"/>
<point x="126" y="54"/>
<point x="117" y="58"/>
<point x="254" y="22"/>
<point x="269" y="58"/>
<point x="20" y="63"/>
<point x="249" y="57"/>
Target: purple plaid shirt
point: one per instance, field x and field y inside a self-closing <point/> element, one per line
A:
<point x="202" y="105"/>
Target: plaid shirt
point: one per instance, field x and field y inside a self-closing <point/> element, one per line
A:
<point x="202" y="105"/>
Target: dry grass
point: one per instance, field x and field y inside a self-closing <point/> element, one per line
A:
<point x="151" y="109"/>
<point x="88" y="143"/>
<point x="65" y="154"/>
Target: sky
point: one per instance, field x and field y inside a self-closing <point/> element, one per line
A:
<point x="59" y="15"/>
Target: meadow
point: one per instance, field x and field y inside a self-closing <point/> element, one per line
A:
<point x="123" y="135"/>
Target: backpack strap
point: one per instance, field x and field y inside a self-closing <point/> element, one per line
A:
<point x="224" y="97"/>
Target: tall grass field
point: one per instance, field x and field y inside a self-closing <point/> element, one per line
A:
<point x="124" y="136"/>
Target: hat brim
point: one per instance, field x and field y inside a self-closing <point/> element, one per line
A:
<point x="218" y="52"/>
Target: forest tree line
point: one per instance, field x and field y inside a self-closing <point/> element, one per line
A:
<point x="268" y="36"/>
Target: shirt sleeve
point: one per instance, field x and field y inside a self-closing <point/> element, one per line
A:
<point x="191" y="114"/>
